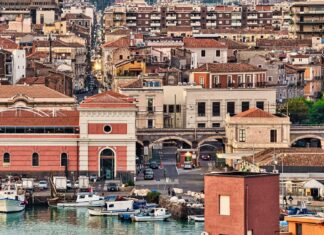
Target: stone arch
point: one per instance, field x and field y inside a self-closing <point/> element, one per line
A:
<point x="171" y="138"/>
<point x="310" y="136"/>
<point x="209" y="138"/>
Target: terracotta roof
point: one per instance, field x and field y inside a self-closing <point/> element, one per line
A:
<point x="8" y="44"/>
<point x="228" y="68"/>
<point x="284" y="43"/>
<point x="231" y="44"/>
<point x="299" y="56"/>
<point x="32" y="80"/>
<point x="133" y="84"/>
<point x="202" y="43"/>
<point x="36" y="91"/>
<point x="255" y="113"/>
<point x="108" y="99"/>
<point x="244" y="31"/>
<point x="290" y="69"/>
<point x="119" y="32"/>
<point x="121" y="42"/>
<point x="74" y="16"/>
<point x="38" y="55"/>
<point x="39" y="118"/>
<point x="56" y="43"/>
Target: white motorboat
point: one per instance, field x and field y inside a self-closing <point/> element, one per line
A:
<point x="115" y="208"/>
<point x="12" y="199"/>
<point x="196" y="218"/>
<point x="156" y="214"/>
<point x="84" y="200"/>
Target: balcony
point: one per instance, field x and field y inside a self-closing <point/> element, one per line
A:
<point x="209" y="24"/>
<point x="216" y="85"/>
<point x="252" y="17"/>
<point x="311" y="22"/>
<point x="171" y="23"/>
<point x="131" y="24"/>
<point x="155" y="24"/>
<point x="211" y="17"/>
<point x="195" y="23"/>
<point x="236" y="17"/>
<point x="252" y="22"/>
<point x="241" y="85"/>
<point x="195" y="17"/>
<point x="261" y="84"/>
<point x="310" y="13"/>
<point x="171" y="17"/>
<point x="131" y="17"/>
<point x="155" y="17"/>
<point x="238" y="24"/>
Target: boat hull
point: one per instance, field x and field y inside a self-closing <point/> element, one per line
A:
<point x="94" y="212"/>
<point x="11" y="205"/>
<point x="150" y="218"/>
<point x="98" y="203"/>
<point x="196" y="218"/>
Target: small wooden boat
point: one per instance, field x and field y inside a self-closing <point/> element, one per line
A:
<point x="114" y="208"/>
<point x="84" y="200"/>
<point x="156" y="214"/>
<point x="196" y="218"/>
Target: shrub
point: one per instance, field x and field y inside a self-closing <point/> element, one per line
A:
<point x="153" y="197"/>
<point x="130" y="182"/>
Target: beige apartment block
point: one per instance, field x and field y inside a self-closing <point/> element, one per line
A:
<point x="256" y="130"/>
<point x="207" y="108"/>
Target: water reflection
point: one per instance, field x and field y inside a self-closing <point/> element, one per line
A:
<point x="42" y="220"/>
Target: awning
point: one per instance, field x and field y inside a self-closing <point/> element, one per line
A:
<point x="313" y="184"/>
<point x="237" y="156"/>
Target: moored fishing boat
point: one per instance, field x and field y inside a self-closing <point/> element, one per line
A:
<point x="114" y="208"/>
<point x="155" y="214"/>
<point x="196" y="218"/>
<point x="12" y="199"/>
<point x="84" y="200"/>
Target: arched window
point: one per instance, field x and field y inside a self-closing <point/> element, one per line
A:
<point x="35" y="159"/>
<point x="6" y="158"/>
<point x="64" y="159"/>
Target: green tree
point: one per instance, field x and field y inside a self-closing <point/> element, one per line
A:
<point x="298" y="109"/>
<point x="317" y="112"/>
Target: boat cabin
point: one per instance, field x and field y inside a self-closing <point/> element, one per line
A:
<point x="159" y="211"/>
<point x="86" y="197"/>
<point x="120" y="205"/>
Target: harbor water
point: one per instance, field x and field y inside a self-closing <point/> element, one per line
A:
<point x="54" y="221"/>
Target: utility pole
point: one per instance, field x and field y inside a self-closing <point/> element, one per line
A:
<point x="175" y="111"/>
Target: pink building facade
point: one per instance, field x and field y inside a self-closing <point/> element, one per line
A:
<point x="97" y="137"/>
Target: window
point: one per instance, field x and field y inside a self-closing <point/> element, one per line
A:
<point x="242" y="135"/>
<point x="216" y="109"/>
<point x="245" y="105"/>
<point x="215" y="81"/>
<point x="203" y="53"/>
<point x="171" y="108"/>
<point x="107" y="128"/>
<point x="224" y="205"/>
<point x="273" y="136"/>
<point x="149" y="123"/>
<point x="35" y="159"/>
<point x="64" y="159"/>
<point x="150" y="107"/>
<point x="201" y="109"/>
<point x="240" y="80"/>
<point x="201" y="125"/>
<point x="120" y="57"/>
<point x="216" y="124"/>
<point x="269" y="78"/>
<point x="218" y="53"/>
<point x="6" y="158"/>
<point x="178" y="108"/>
<point x="260" y="105"/>
<point x="165" y="108"/>
<point x="231" y="108"/>
<point x="201" y="81"/>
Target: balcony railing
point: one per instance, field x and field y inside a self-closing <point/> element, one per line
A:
<point x="150" y="109"/>
<point x="216" y="85"/>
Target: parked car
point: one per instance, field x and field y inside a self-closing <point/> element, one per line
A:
<point x="148" y="174"/>
<point x="43" y="184"/>
<point x="69" y="184"/>
<point x="93" y="177"/>
<point x="205" y="157"/>
<point x="154" y="165"/>
<point x="112" y="187"/>
<point x="76" y="184"/>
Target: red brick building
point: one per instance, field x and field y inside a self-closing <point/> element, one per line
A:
<point x="212" y="75"/>
<point x="96" y="137"/>
<point x="242" y="203"/>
